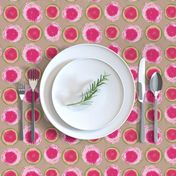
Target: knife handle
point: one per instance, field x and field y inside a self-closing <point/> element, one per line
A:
<point x="142" y="122"/>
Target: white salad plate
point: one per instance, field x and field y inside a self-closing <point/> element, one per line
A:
<point x="86" y="51"/>
<point x="75" y="79"/>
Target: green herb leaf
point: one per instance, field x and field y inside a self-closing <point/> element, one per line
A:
<point x="91" y="92"/>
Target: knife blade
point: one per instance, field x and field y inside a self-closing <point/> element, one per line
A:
<point x="141" y="80"/>
<point x="141" y="97"/>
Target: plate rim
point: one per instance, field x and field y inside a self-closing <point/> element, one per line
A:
<point x="66" y="130"/>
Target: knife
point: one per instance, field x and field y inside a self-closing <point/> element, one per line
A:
<point x="141" y="97"/>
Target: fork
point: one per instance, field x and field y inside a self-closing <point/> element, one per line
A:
<point x="21" y="93"/>
<point x="33" y="77"/>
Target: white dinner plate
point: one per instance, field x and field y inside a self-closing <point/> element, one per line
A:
<point x="87" y="51"/>
<point x="74" y="79"/>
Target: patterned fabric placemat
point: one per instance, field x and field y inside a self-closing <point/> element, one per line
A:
<point x="33" y="32"/>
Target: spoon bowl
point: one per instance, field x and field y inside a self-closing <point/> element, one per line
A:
<point x="156" y="83"/>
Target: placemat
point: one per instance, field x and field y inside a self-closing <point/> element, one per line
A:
<point x="33" y="32"/>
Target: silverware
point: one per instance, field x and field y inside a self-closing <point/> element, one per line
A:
<point x="155" y="85"/>
<point x="141" y="97"/>
<point x="33" y="77"/>
<point x="21" y="93"/>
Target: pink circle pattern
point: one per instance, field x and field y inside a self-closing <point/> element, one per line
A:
<point x="37" y="47"/>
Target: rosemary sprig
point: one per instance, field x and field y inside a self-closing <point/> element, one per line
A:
<point x="92" y="90"/>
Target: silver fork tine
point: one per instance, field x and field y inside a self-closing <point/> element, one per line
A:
<point x="21" y="92"/>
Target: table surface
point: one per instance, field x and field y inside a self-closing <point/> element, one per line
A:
<point x="130" y="34"/>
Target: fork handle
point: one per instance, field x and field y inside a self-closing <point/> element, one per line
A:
<point x="21" y="121"/>
<point x="33" y="118"/>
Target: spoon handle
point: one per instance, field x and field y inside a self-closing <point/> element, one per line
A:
<point x="155" y="121"/>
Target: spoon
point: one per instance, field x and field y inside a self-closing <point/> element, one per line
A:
<point x="155" y="85"/>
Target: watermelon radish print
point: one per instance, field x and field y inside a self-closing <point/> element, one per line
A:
<point x="112" y="32"/>
<point x="93" y="12"/>
<point x="33" y="155"/>
<point x="51" y="52"/>
<point x="11" y="74"/>
<point x="12" y="33"/>
<point x="10" y="55"/>
<point x="170" y="172"/>
<point x="92" y="33"/>
<point x="52" y="154"/>
<point x="132" y="34"/>
<point x="91" y="155"/>
<point x="170" y="73"/>
<point x="112" y="11"/>
<point x="72" y="172"/>
<point x="153" y="33"/>
<point x="32" y="53"/>
<point x="93" y="172"/>
<point x="130" y="172"/>
<point x="94" y="140"/>
<point x="133" y="117"/>
<point x="152" y="53"/>
<point x="130" y="136"/>
<point x="10" y="116"/>
<point x="10" y="172"/>
<point x="70" y="34"/>
<point x="149" y="135"/>
<point x="70" y="140"/>
<point x="52" y="11"/>
<point x="130" y="13"/>
<point x="51" y="134"/>
<point x="112" y="171"/>
<point x="152" y="70"/>
<point x="32" y="12"/>
<point x="52" y="32"/>
<point x="114" y="47"/>
<point x="27" y="136"/>
<point x="170" y="53"/>
<point x="11" y="13"/>
<point x="70" y="156"/>
<point x="170" y="154"/>
<point x="9" y="137"/>
<point x="171" y="93"/>
<point x="134" y="72"/>
<point x="31" y="171"/>
<point x="112" y="154"/>
<point x="171" y="134"/>
<point x="28" y="115"/>
<point x="33" y="33"/>
<point x="150" y="115"/>
<point x="170" y="114"/>
<point x="72" y="13"/>
<point x="152" y="12"/>
<point x="10" y="96"/>
<point x="170" y="12"/>
<point x="11" y="156"/>
<point x="130" y="54"/>
<point x="132" y="156"/>
<point x="170" y="32"/>
<point x="51" y="172"/>
<point x="151" y="171"/>
<point x="28" y="96"/>
<point x="153" y="155"/>
<point x="114" y="137"/>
